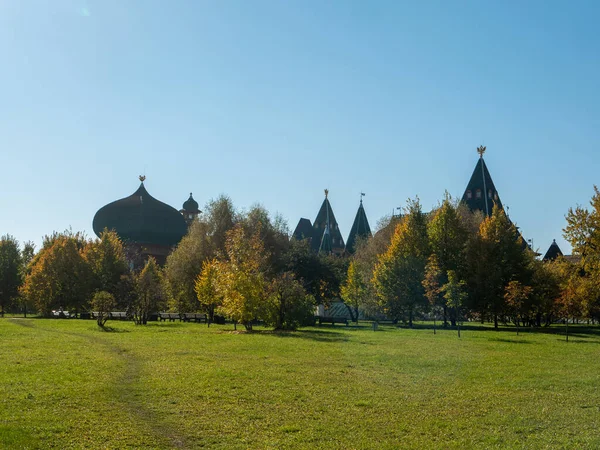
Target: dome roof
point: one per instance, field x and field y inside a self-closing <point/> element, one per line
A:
<point x="141" y="218"/>
<point x="190" y="205"/>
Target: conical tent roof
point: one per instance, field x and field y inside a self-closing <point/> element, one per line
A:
<point x="360" y="228"/>
<point x="553" y="252"/>
<point x="326" y="221"/>
<point x="481" y="193"/>
<point x="304" y="230"/>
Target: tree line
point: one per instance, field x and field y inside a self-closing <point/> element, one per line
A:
<point x="239" y="265"/>
<point x="449" y="264"/>
<point x="456" y="264"/>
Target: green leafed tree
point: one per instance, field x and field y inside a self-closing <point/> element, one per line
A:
<point x="10" y="271"/>
<point x="184" y="265"/>
<point x="432" y="285"/>
<point x="102" y="304"/>
<point x="150" y="296"/>
<point x="289" y="305"/>
<point x="455" y="294"/>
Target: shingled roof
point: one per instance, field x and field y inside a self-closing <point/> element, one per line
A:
<point x="304" y="230"/>
<point x="332" y="241"/>
<point x="360" y="228"/>
<point x="553" y="252"/>
<point x="481" y="193"/>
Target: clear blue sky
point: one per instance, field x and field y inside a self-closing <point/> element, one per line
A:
<point x="273" y="101"/>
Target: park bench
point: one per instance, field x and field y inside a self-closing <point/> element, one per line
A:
<point x="171" y="317"/>
<point x="194" y="317"/>
<point x="118" y="315"/>
<point x="332" y="320"/>
<point x="387" y="321"/>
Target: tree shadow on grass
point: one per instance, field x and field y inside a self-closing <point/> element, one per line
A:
<point x="313" y="335"/>
<point x="108" y="329"/>
<point x="511" y="341"/>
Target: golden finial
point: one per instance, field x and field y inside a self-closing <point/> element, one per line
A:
<point x="481" y="150"/>
<point x="142" y="178"/>
<point x="326" y="192"/>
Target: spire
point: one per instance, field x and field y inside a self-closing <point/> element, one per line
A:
<point x="360" y="227"/>
<point x="481" y="193"/>
<point x="326" y="232"/>
<point x="553" y="252"/>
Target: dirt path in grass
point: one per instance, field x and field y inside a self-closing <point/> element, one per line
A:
<point x="125" y="385"/>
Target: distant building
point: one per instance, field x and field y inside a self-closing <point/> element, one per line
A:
<point x="360" y="228"/>
<point x="324" y="233"/>
<point x="481" y="194"/>
<point x="190" y="210"/>
<point x="145" y="224"/>
<point x="553" y="252"/>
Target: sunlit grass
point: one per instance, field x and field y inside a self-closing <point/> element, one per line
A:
<point x="67" y="384"/>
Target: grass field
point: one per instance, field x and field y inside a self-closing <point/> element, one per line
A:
<point x="67" y="384"/>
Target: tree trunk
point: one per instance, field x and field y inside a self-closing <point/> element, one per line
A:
<point x="410" y="318"/>
<point x="495" y="321"/>
<point x="445" y="316"/>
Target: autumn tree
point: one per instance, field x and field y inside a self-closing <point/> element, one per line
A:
<point x="354" y="290"/>
<point x="273" y="233"/>
<point x="207" y="288"/>
<point x="10" y="271"/>
<point x="150" y="293"/>
<point x="27" y="254"/>
<point x="184" y="265"/>
<point x="583" y="233"/>
<point x="400" y="270"/>
<point x="59" y="275"/>
<point x="516" y="296"/>
<point x="495" y="257"/>
<point x="447" y="238"/>
<point x="220" y="216"/>
<point x="455" y="294"/>
<point x="106" y="259"/>
<point x="242" y="280"/>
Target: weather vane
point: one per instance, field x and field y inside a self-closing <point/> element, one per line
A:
<point x="326" y="192"/>
<point x="362" y="194"/>
<point x="142" y="178"/>
<point x="481" y="150"/>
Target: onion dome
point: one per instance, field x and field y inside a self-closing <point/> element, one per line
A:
<point x="190" y="205"/>
<point x="142" y="219"/>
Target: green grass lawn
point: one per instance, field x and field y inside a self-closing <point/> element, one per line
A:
<point x="68" y="384"/>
